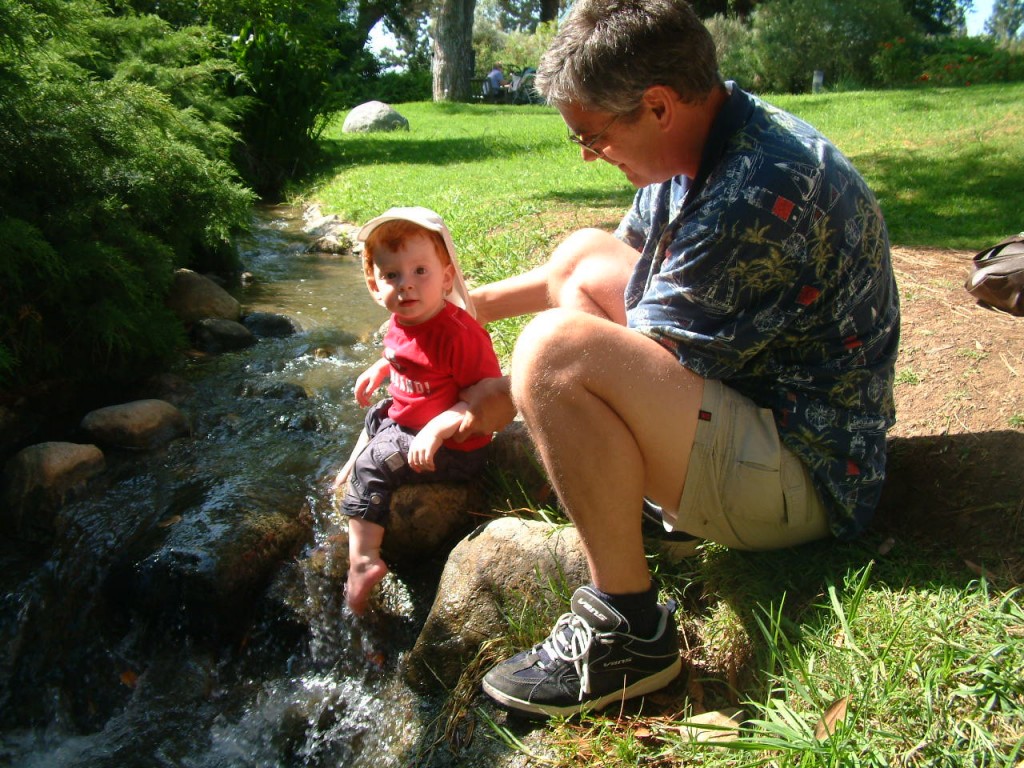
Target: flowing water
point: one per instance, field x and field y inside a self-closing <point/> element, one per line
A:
<point x="296" y="682"/>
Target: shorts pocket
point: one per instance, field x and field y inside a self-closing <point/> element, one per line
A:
<point x="755" y="491"/>
<point x="795" y="486"/>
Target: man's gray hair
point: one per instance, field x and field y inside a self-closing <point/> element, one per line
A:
<point x="608" y="52"/>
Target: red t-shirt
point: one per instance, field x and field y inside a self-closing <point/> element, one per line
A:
<point x="432" y="362"/>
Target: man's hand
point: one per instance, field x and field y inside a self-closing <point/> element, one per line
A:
<point x="489" y="408"/>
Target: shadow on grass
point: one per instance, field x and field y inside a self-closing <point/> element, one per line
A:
<point x="969" y="200"/>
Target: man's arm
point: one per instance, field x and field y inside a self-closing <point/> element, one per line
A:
<point x="489" y="408"/>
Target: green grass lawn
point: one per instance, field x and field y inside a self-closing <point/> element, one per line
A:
<point x="839" y="654"/>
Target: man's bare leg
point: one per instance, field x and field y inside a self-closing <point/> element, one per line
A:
<point x="613" y="414"/>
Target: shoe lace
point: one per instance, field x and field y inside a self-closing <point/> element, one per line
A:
<point x="570" y="640"/>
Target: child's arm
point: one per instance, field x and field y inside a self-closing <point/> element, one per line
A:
<point x="370" y="380"/>
<point x="426" y="442"/>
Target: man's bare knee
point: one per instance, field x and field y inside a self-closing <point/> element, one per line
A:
<point x="544" y="352"/>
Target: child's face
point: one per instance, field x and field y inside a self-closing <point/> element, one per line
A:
<point x="411" y="282"/>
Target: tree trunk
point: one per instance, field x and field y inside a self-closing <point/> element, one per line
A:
<point x="453" y="50"/>
<point x="548" y="10"/>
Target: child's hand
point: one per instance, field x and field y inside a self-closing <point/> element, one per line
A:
<point x="422" y="449"/>
<point x="369" y="381"/>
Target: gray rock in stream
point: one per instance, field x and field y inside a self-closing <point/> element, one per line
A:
<point x="193" y="297"/>
<point x="141" y="424"/>
<point x="40" y="479"/>
<point x="215" y="335"/>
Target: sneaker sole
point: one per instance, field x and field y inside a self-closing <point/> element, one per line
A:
<point x="650" y="684"/>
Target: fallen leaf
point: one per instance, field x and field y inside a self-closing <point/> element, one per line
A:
<point x="129" y="678"/>
<point x="717" y="725"/>
<point x="167" y="522"/>
<point x="835" y="714"/>
<point x="642" y="732"/>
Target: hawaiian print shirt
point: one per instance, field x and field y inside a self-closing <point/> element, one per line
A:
<point x="770" y="271"/>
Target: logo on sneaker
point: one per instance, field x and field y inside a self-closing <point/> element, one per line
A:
<point x="617" y="662"/>
<point x="591" y="609"/>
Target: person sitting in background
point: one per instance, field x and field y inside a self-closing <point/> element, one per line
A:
<point x="495" y="81"/>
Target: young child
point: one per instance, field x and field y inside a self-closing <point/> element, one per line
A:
<point x="433" y="349"/>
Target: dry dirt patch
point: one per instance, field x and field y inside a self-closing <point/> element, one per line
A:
<point x="956" y="476"/>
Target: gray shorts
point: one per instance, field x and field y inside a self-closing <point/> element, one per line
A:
<point x="382" y="466"/>
<point x="744" y="489"/>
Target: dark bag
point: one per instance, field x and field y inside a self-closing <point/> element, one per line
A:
<point x="998" y="277"/>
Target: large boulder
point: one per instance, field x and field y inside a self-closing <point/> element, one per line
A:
<point x="142" y="424"/>
<point x="497" y="570"/>
<point x="374" y="116"/>
<point x="193" y="297"/>
<point x="39" y="479"/>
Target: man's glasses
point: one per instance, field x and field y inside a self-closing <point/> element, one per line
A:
<point x="589" y="145"/>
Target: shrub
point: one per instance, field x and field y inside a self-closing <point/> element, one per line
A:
<point x="106" y="185"/>
<point x="921" y="60"/>
<point x="389" y="87"/>
<point x="734" y="43"/>
<point x="795" y="37"/>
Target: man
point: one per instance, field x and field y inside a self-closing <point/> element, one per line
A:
<point x="727" y="355"/>
<point x="495" y="80"/>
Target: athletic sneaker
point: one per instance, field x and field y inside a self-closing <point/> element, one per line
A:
<point x="589" y="661"/>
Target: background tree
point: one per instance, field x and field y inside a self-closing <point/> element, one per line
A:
<point x="1007" y="19"/>
<point x="521" y="15"/>
<point x="453" y="50"/>
<point x="939" y="17"/>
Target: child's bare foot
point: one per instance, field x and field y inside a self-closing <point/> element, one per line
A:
<point x="363" y="576"/>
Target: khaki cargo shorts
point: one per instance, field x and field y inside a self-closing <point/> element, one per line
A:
<point x="744" y="489"/>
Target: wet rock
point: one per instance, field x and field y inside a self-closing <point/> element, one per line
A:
<point x="497" y="569"/>
<point x="373" y="117"/>
<point x="316" y="224"/>
<point x="142" y="424"/>
<point x="271" y="325"/>
<point x="334" y="244"/>
<point x="207" y="574"/>
<point x="39" y="479"/>
<point x="193" y="297"/>
<point x="214" y="335"/>
<point x="275" y="390"/>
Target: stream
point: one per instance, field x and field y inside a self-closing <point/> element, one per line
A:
<point x="93" y="673"/>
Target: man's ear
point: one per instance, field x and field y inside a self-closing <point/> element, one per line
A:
<point x="661" y="101"/>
